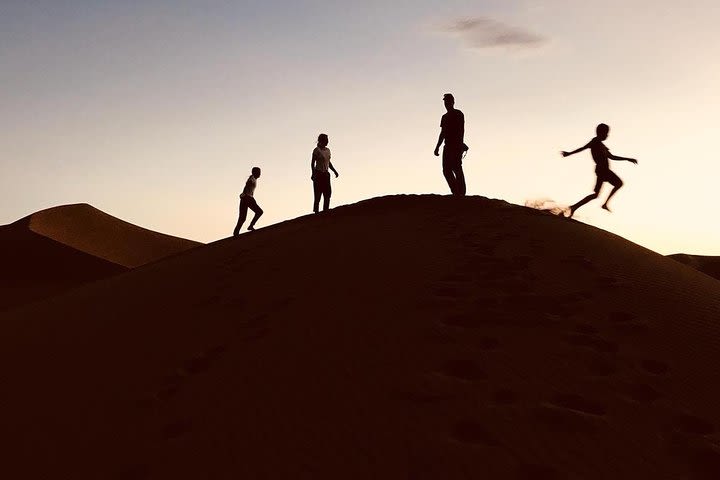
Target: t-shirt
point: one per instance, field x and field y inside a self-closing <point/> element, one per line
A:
<point x="600" y="154"/>
<point x="321" y="159"/>
<point x="250" y="185"/>
<point x="453" y="128"/>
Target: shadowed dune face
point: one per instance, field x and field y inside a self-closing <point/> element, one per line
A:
<point x="401" y="337"/>
<point x="36" y="267"/>
<point x="60" y="248"/>
<point x="92" y="231"/>
<point x="707" y="265"/>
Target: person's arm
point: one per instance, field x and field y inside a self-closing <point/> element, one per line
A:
<point x="441" y="138"/>
<point x="567" y="154"/>
<point x="312" y="166"/>
<point x="615" y="157"/>
<point x="333" y="169"/>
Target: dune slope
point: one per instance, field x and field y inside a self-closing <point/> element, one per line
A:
<point x="401" y="337"/>
<point x="707" y="265"/>
<point x="93" y="231"/>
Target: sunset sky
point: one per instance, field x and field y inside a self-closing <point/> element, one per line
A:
<point x="155" y="111"/>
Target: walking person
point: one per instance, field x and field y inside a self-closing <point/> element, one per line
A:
<point x="247" y="201"/>
<point x="600" y="155"/>
<point x="452" y="133"/>
<point x="320" y="165"/>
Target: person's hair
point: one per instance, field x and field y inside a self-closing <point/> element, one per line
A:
<point x="602" y="129"/>
<point x="449" y="96"/>
<point x="255" y="170"/>
<point x="323" y="138"/>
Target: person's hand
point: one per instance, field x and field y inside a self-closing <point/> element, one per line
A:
<point x="337" y="174"/>
<point x="312" y="176"/>
<point x="437" y="152"/>
<point x="564" y="154"/>
<point x="632" y="160"/>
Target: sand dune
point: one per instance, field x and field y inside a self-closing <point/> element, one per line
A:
<point x="401" y="337"/>
<point x="92" y="231"/>
<point x="707" y="265"/>
<point x="60" y="248"/>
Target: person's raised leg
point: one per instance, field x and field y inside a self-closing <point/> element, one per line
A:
<point x="242" y="215"/>
<point x="617" y="185"/>
<point x="258" y="213"/>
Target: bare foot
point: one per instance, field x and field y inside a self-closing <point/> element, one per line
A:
<point x="251" y="228"/>
<point x="605" y="207"/>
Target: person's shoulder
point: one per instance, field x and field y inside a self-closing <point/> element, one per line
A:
<point x="459" y="113"/>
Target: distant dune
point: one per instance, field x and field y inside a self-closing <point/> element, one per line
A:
<point x="92" y="231"/>
<point x="54" y="250"/>
<point x="707" y="265"/>
<point x="417" y="337"/>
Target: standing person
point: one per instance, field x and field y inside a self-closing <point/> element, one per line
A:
<point x="320" y="165"/>
<point x="452" y="133"/>
<point x="247" y="200"/>
<point x="600" y="155"/>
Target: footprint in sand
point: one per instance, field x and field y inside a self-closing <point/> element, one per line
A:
<point x="578" y="403"/>
<point x="473" y="433"/>
<point x="596" y="343"/>
<point x="655" y="367"/>
<point x="505" y="397"/>
<point x="692" y="425"/>
<point x="640" y="393"/>
<point x="467" y="370"/>
<point x="176" y="429"/>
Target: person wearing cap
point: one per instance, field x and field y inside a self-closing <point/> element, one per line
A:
<point x="320" y="166"/>
<point x="247" y="201"/>
<point x="452" y="133"/>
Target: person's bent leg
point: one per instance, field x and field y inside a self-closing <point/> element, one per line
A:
<point x="258" y="213"/>
<point x="617" y="185"/>
<point x="460" y="180"/>
<point x="242" y="215"/>
<point x="589" y="198"/>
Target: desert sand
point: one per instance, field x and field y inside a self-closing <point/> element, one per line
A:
<point x="60" y="248"/>
<point x="418" y="337"/>
<point x="706" y="264"/>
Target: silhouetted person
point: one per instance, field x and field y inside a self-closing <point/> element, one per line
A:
<point x="320" y="165"/>
<point x="601" y="155"/>
<point x="247" y="200"/>
<point x="452" y="133"/>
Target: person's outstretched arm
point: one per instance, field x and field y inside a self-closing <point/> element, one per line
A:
<point x="441" y="138"/>
<point x="567" y="154"/>
<point x="615" y="157"/>
<point x="333" y="169"/>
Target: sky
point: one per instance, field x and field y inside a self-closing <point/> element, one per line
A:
<point x="155" y="111"/>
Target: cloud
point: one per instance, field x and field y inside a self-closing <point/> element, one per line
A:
<point x="484" y="32"/>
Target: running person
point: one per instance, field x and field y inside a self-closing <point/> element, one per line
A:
<point x="320" y="165"/>
<point x="601" y="155"/>
<point x="247" y="201"/>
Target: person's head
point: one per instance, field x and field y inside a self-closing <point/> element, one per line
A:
<point x="602" y="131"/>
<point x="256" y="172"/>
<point x="323" y="140"/>
<point x="449" y="101"/>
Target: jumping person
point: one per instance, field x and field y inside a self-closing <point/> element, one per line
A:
<point x="320" y="165"/>
<point x="247" y="200"/>
<point x="601" y="155"/>
<point x="452" y="133"/>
